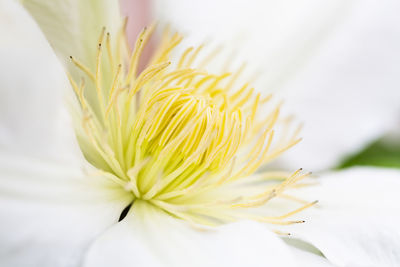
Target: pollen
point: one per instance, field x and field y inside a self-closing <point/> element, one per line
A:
<point x="177" y="136"/>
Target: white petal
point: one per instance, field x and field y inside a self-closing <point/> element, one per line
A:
<point x="278" y="35"/>
<point x="150" y="237"/>
<point x="50" y="212"/>
<point x="307" y="259"/>
<point x="73" y="27"/>
<point x="356" y="221"/>
<point x="336" y="63"/>
<point x="348" y="94"/>
<point x="32" y="85"/>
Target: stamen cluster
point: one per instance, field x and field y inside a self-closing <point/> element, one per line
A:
<point x="177" y="136"/>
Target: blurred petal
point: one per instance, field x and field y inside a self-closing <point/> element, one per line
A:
<point x="336" y="63"/>
<point x="356" y="222"/>
<point x="73" y="27"/>
<point x="32" y="84"/>
<point x="150" y="237"/>
<point x="139" y="16"/>
<point x="304" y="258"/>
<point x="348" y="94"/>
<point x="278" y="36"/>
<point x="50" y="212"/>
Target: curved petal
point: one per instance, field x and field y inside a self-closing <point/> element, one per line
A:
<point x="304" y="258"/>
<point x="336" y="64"/>
<point x="50" y="212"/>
<point x="150" y="237"/>
<point x="356" y="221"/>
<point x="73" y="27"/>
<point x="32" y="85"/>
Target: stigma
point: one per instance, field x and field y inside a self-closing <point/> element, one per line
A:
<point x="177" y="136"/>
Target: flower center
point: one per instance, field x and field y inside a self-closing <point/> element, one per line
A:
<point x="183" y="139"/>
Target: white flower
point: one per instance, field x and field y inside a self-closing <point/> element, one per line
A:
<point x="55" y="214"/>
<point x="335" y="62"/>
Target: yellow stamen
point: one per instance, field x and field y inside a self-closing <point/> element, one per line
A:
<point x="179" y="137"/>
